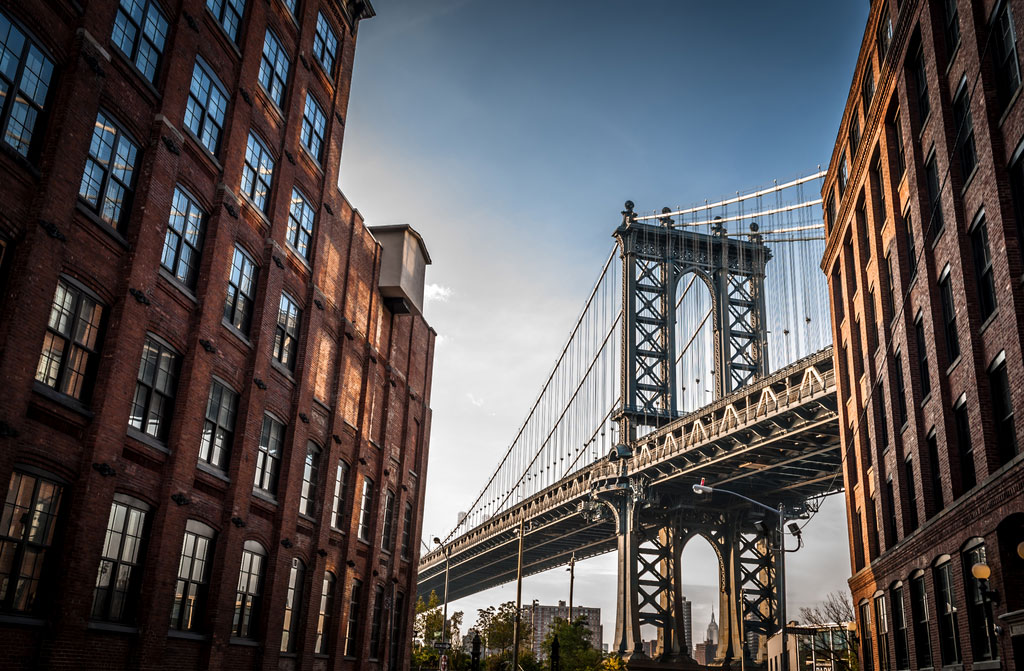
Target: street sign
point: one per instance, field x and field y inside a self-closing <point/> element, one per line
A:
<point x="442" y="645"/>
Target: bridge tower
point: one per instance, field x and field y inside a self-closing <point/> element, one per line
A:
<point x="654" y="258"/>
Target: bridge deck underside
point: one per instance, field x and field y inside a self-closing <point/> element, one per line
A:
<point x="787" y="455"/>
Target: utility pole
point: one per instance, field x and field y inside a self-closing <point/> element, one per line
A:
<point x="572" y="579"/>
<point x="519" y="598"/>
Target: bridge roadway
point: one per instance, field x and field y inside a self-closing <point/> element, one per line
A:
<point x="776" y="440"/>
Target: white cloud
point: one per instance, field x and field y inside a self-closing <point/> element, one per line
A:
<point x="437" y="292"/>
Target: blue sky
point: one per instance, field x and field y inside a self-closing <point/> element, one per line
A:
<point x="510" y="133"/>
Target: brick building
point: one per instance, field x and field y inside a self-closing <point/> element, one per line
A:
<point x="541" y="617"/>
<point x="924" y="212"/>
<point x="213" y="423"/>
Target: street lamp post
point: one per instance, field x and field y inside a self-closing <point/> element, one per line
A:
<point x="519" y="598"/>
<point x="572" y="580"/>
<point x="444" y="622"/>
<point x="780" y="558"/>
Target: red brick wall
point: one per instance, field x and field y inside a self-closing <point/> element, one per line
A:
<point x="350" y="346"/>
<point x="875" y="444"/>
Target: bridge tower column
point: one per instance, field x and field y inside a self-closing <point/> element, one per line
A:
<point x="624" y="502"/>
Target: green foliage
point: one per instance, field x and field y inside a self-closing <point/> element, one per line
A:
<point x="496" y="626"/>
<point x="613" y="662"/>
<point x="427" y="630"/>
<point x="575" y="652"/>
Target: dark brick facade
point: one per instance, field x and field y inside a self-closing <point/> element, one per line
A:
<point x="355" y="387"/>
<point x="936" y="476"/>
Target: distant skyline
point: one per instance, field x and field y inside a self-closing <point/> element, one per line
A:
<point x="509" y="135"/>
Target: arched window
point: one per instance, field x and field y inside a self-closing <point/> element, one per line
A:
<point x="323" y="622"/>
<point x="119" y="574"/>
<point x="249" y="594"/>
<point x="26" y="534"/>
<point x="310" y="478"/>
<point x="293" y="606"/>
<point x="193" y="575"/>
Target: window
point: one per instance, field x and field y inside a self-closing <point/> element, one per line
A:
<point x="310" y="478"/>
<point x="979" y="609"/>
<point x="365" y="510"/>
<point x="952" y="27"/>
<point x="949" y="630"/>
<point x="949" y="316"/>
<point x="219" y="425"/>
<point x="228" y="13"/>
<point x="854" y="134"/>
<point x="878" y="176"/>
<point x="891" y="295"/>
<point x="25" y="73"/>
<point x="325" y="43"/>
<point x="931" y="171"/>
<point x="830" y="211"/>
<point x="273" y="68"/>
<point x="26" y="533"/>
<point x="921" y="82"/>
<point x="193" y="575"/>
<point x="882" y="633"/>
<point x="964" y="448"/>
<point x="69" y="353"/>
<point x="290" y="6"/>
<point x="250" y="590"/>
<point x="407" y="531"/>
<point x="340" y="492"/>
<point x="286" y="335"/>
<point x="153" y="403"/>
<point x="119" y="577"/>
<point x="867" y="89"/>
<point x="268" y="457"/>
<point x="908" y="475"/>
<point x="241" y="291"/>
<point x="865" y="639"/>
<point x="1007" y="68"/>
<point x="901" y="392"/>
<point x="844" y="174"/>
<point x="352" y="630"/>
<point x="397" y="633"/>
<point x="323" y="621"/>
<point x="258" y="172"/>
<point x="901" y="152"/>
<point x="908" y="231"/>
<point x="292" y="606"/>
<point x="300" y="224"/>
<point x="109" y="170"/>
<point x="899" y="625"/>
<point x="314" y="124"/>
<point x="922" y="627"/>
<point x="983" y="273"/>
<point x="922" y="357"/>
<point x="1002" y="410"/>
<point x="376" y="623"/>
<point x="207" y="104"/>
<point x="884" y="37"/>
<point x="183" y="240"/>
<point x="884" y="423"/>
<point x="933" y="471"/>
<point x="964" y="131"/>
<point x="140" y="30"/>
<point x="387" y="539"/>
<point x="858" y="543"/>
<point x="892" y="522"/>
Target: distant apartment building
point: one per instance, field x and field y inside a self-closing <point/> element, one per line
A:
<point x="540" y="618"/>
<point x="814" y="648"/>
<point x="924" y="216"/>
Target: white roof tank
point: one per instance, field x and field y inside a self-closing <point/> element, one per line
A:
<point x="403" y="266"/>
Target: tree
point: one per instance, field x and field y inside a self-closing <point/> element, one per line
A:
<point x="496" y="628"/>
<point x="427" y="630"/>
<point x="834" y="614"/>
<point x="575" y="651"/>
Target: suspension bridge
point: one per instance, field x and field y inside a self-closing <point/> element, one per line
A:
<point x="702" y="354"/>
